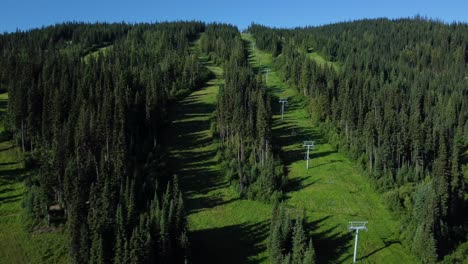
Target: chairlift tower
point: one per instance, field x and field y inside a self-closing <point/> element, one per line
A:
<point x="282" y="102"/>
<point x="309" y="145"/>
<point x="266" y="71"/>
<point x="356" y="226"/>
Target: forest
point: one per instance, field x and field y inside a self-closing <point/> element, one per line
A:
<point x="90" y="108"/>
<point x="92" y="129"/>
<point x="396" y="105"/>
<point x="243" y="119"/>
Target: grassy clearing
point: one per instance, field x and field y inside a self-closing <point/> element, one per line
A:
<point x="100" y="51"/>
<point x="320" y="60"/>
<point x="16" y="244"/>
<point x="265" y="59"/>
<point x="332" y="191"/>
<point x="223" y="229"/>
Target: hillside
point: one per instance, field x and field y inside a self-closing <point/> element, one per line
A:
<point x="395" y="106"/>
<point x="164" y="143"/>
<point x="332" y="191"/>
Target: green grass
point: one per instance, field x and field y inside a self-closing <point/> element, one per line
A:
<point x="332" y="191"/>
<point x="16" y="244"/>
<point x="223" y="229"/>
<point x="100" y="51"/>
<point x="320" y="60"/>
<point x="264" y="58"/>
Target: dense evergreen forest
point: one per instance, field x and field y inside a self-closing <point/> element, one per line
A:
<point x="287" y="242"/>
<point x="93" y="128"/>
<point x="396" y="101"/>
<point x="89" y="106"/>
<point x="243" y="119"/>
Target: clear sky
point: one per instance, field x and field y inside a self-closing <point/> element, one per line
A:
<point x="26" y="14"/>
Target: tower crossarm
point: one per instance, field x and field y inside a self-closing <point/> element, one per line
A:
<point x="308" y="144"/>
<point x="361" y="225"/>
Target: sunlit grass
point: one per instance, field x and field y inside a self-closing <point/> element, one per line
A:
<point x="16" y="244"/>
<point x="223" y="228"/>
<point x="332" y="191"/>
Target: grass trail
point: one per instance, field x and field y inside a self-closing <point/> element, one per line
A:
<point x="16" y="244"/>
<point x="223" y="228"/>
<point x="332" y="191"/>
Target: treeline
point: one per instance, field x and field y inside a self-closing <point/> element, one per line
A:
<point x="73" y="37"/>
<point x="268" y="39"/>
<point x="287" y="241"/>
<point x="397" y="104"/>
<point x="93" y="128"/>
<point x="243" y="121"/>
<point x="223" y="42"/>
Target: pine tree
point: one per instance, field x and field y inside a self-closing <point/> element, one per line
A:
<point x="441" y="192"/>
<point x="299" y="242"/>
<point x="97" y="250"/>
<point x="457" y="183"/>
<point x="309" y="255"/>
<point x="120" y="238"/>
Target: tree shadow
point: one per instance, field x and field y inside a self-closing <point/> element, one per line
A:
<point x="5" y="190"/>
<point x="13" y="175"/>
<point x="315" y="155"/>
<point x="196" y="204"/>
<point x="229" y="244"/>
<point x="201" y="181"/>
<point x="3" y="104"/>
<point x="9" y="163"/>
<point x="297" y="184"/>
<point x="386" y="245"/>
<point x="293" y="136"/>
<point x="7" y="148"/>
<point x="193" y="158"/>
<point x="324" y="164"/>
<point x="329" y="244"/>
<point x="11" y="198"/>
<point x="294" y="103"/>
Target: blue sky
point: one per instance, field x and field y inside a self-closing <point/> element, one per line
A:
<point x="26" y="14"/>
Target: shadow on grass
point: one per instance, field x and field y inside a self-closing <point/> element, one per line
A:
<point x="201" y="181"/>
<point x="12" y="175"/>
<point x="200" y="203"/>
<point x="5" y="190"/>
<point x="298" y="183"/>
<point x="386" y="245"/>
<point x="229" y="244"/>
<point x="3" y="104"/>
<point x="328" y="163"/>
<point x="9" y="163"/>
<point x="189" y="137"/>
<point x="193" y="159"/>
<point x="329" y="244"/>
<point x="7" y="148"/>
<point x="11" y="198"/>
<point x="289" y="133"/>
<point x="295" y="136"/>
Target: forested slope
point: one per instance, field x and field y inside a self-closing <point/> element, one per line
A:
<point x="94" y="127"/>
<point x="398" y="106"/>
<point x="243" y="119"/>
<point x="222" y="227"/>
<point x="93" y="124"/>
<point x="328" y="194"/>
<point x="135" y="163"/>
